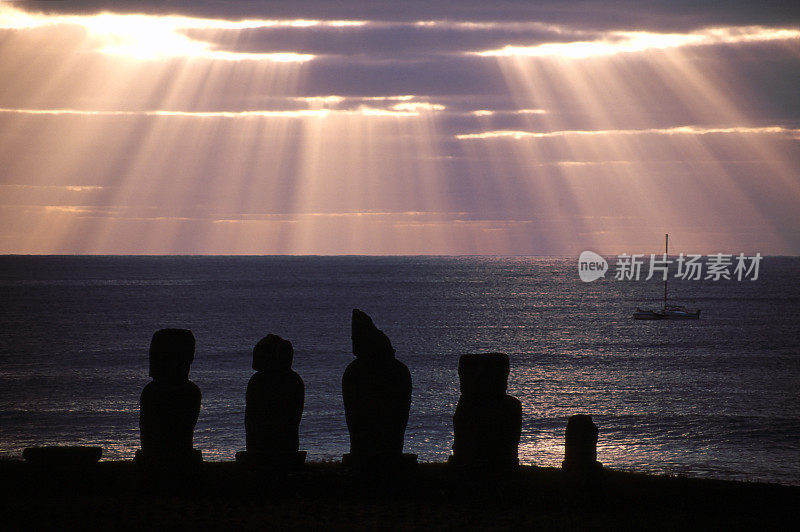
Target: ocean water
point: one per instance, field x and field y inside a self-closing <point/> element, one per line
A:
<point x="716" y="397"/>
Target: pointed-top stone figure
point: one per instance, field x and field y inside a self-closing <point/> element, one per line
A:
<point x="275" y="397"/>
<point x="487" y="422"/>
<point x="376" y="389"/>
<point x="170" y="403"/>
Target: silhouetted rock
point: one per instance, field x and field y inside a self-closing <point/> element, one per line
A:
<point x="580" y="454"/>
<point x="275" y="396"/>
<point x="376" y="389"/>
<point x="487" y="422"/>
<point x="170" y="403"/>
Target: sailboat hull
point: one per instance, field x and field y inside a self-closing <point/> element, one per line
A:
<point x="669" y="312"/>
<point x="666" y="314"/>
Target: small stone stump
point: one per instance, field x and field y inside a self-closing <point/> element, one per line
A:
<point x="488" y="422"/>
<point x="376" y="388"/>
<point x="169" y="404"/>
<point x="580" y="455"/>
<point x="274" y="406"/>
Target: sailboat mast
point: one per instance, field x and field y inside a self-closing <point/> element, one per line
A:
<point x="666" y="255"/>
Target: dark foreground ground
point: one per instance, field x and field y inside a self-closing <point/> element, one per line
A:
<point x="117" y="495"/>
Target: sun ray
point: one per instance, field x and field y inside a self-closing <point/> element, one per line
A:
<point x="175" y="133"/>
<point x="596" y="88"/>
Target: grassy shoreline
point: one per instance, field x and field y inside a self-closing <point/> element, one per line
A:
<point x="327" y="495"/>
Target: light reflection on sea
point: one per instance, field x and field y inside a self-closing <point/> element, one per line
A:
<point x="716" y="398"/>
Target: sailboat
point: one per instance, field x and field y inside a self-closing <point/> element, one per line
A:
<point x="669" y="312"/>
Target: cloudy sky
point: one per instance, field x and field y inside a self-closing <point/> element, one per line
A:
<point x="362" y="127"/>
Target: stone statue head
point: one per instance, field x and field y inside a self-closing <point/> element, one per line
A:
<point x="483" y="374"/>
<point x="581" y="428"/>
<point x="171" y="354"/>
<point x="273" y="353"/>
<point x="369" y="342"/>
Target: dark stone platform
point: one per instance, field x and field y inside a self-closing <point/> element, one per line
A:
<point x="432" y="496"/>
<point x="287" y="460"/>
<point x="188" y="460"/>
<point x="380" y="461"/>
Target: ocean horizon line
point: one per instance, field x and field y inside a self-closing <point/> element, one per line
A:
<point x="342" y="255"/>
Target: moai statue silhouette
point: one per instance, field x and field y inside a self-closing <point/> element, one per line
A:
<point x="580" y="449"/>
<point x="376" y="388"/>
<point x="170" y="403"/>
<point x="487" y="422"/>
<point x="274" y="406"/>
